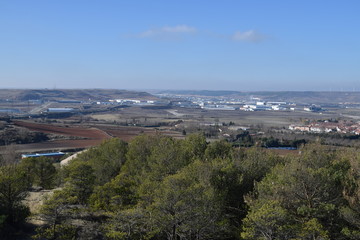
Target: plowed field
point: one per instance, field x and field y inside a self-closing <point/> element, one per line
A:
<point x="92" y="135"/>
<point x="85" y="132"/>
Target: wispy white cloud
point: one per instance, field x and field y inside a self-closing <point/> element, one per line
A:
<point x="248" y="36"/>
<point x="180" y="31"/>
<point x="168" y="31"/>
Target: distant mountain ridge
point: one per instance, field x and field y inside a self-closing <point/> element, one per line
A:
<point x="73" y="94"/>
<point x="202" y="92"/>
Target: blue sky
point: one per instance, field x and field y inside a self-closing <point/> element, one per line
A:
<point x="204" y="44"/>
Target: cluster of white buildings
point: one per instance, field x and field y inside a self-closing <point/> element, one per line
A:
<point x="327" y="127"/>
<point x="218" y="107"/>
<point x="233" y="104"/>
<point x="127" y="102"/>
<point x="266" y="106"/>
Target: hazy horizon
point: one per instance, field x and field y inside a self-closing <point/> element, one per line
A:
<point x="219" y="45"/>
<point x="152" y="91"/>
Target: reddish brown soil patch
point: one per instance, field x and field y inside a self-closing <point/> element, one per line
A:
<point x="58" y="145"/>
<point x="126" y="133"/>
<point x="84" y="132"/>
<point x="94" y="135"/>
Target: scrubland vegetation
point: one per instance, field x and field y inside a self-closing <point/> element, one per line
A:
<point x="158" y="187"/>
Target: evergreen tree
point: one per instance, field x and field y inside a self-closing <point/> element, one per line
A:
<point x="80" y="182"/>
<point x="13" y="190"/>
<point x="39" y="171"/>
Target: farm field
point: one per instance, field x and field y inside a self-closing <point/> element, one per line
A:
<point x="83" y="131"/>
<point x="92" y="123"/>
<point x="199" y="116"/>
<point x="79" y="136"/>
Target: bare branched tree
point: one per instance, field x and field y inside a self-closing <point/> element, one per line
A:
<point x="9" y="156"/>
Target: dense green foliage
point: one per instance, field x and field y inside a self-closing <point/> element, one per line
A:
<point x="158" y="187"/>
<point x="13" y="190"/>
<point x="39" y="171"/>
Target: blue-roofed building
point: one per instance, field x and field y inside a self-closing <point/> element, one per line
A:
<point x="55" y="155"/>
<point x="60" y="110"/>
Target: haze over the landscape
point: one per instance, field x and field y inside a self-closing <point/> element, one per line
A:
<point x="215" y="45"/>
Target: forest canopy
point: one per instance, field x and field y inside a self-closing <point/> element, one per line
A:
<point x="158" y="187"/>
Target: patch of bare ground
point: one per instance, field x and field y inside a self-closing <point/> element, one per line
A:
<point x="34" y="201"/>
<point x="68" y="159"/>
